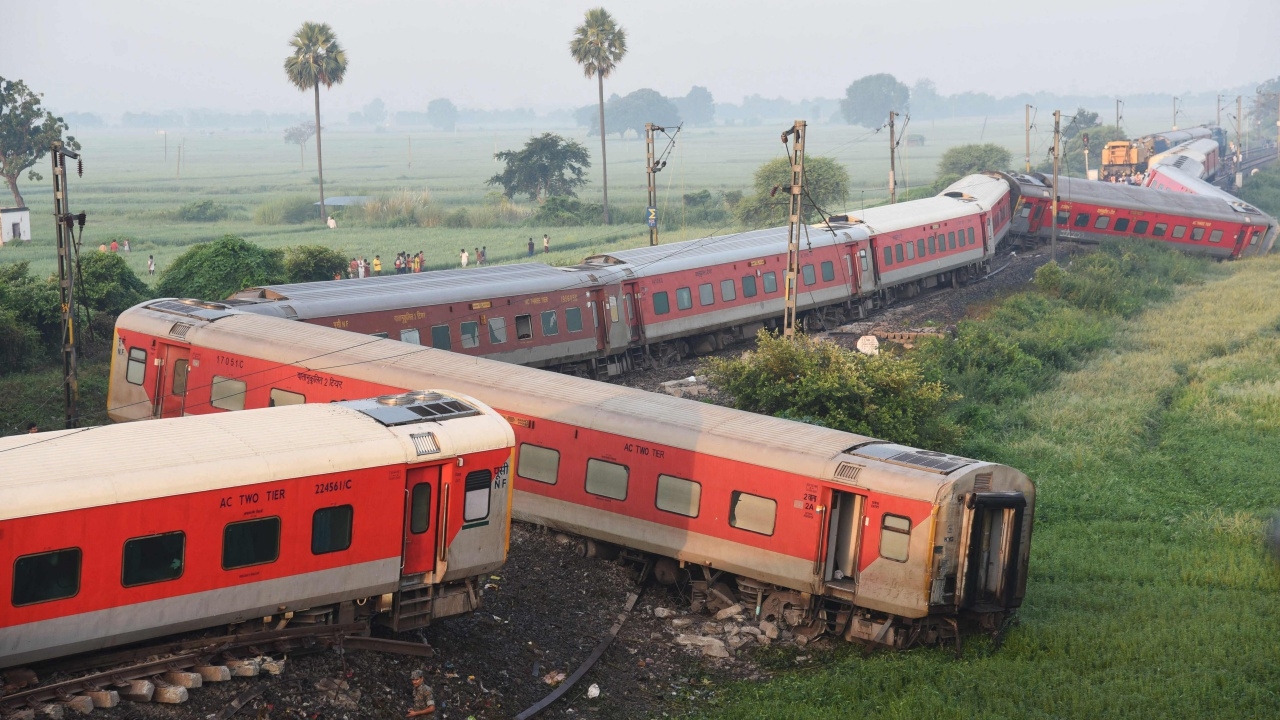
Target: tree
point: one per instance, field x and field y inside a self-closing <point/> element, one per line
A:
<point x="926" y="103"/>
<point x="27" y="132"/>
<point x="299" y="135"/>
<point x="632" y="111"/>
<point x="547" y="166"/>
<point x="1082" y="121"/>
<point x="375" y="112"/>
<point x="1265" y="104"/>
<point x="212" y="271"/>
<point x="109" y="285"/>
<point x="442" y="114"/>
<point x="313" y="263"/>
<point x="826" y="188"/>
<point x="868" y="100"/>
<point x="599" y="44"/>
<point x="698" y="107"/>
<point x="964" y="160"/>
<point x="317" y="60"/>
<point x="1073" y="150"/>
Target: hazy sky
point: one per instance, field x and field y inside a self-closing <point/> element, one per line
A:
<point x="117" y="55"/>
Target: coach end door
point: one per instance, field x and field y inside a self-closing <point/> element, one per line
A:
<point x="171" y="381"/>
<point x="425" y="520"/>
<point x="844" y="523"/>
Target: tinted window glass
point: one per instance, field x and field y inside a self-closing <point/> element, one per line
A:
<point x="770" y="282"/>
<point x="154" y="558"/>
<point x="46" y="576"/>
<point x="807" y="273"/>
<point x="524" y="327"/>
<point x="1102" y="222"/>
<point x="679" y="496"/>
<point x="895" y="537"/>
<point x="573" y="319"/>
<point x="748" y="286"/>
<point x="1082" y="219"/>
<point x="728" y="291"/>
<point x="550" y="323"/>
<point x="137" y="368"/>
<point x="497" y="330"/>
<point x="897" y="253"/>
<point x="933" y="248"/>
<point x="331" y="529"/>
<point x="920" y="247"/>
<point x="280" y="398"/>
<point x="1122" y="224"/>
<point x="684" y="298"/>
<point x="180" y="377"/>
<point x="538" y="463"/>
<point x="253" y="542"/>
<point x="706" y="295"/>
<point x="1197" y="233"/>
<point x="1140" y="227"/>
<point x="911" y="250"/>
<point x="1215" y="236"/>
<point x="476" y="506"/>
<point x="410" y="336"/>
<point x="1159" y="230"/>
<point x="470" y="332"/>
<point x="226" y="393"/>
<point x="420" y="508"/>
<point x="971" y="240"/>
<point x="1179" y="231"/>
<point x="888" y="255"/>
<point x="440" y="337"/>
<point x="752" y="512"/>
<point x="607" y="479"/>
<point x="1063" y="216"/>
<point x="661" y="305"/>
<point x="951" y="240"/>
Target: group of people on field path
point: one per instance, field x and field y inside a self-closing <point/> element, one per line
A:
<point x="546" y="244"/>
<point x="415" y="263"/>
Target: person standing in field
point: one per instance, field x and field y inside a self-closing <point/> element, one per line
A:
<point x="360" y="268"/>
<point x="377" y="265"/>
<point x="530" y="247"/>
<point x="151" y="264"/>
<point x="351" y="271"/>
<point x="484" y="254"/>
<point x="115" y="246"/>
<point x="333" y="224"/>
<point x="417" y="262"/>
<point x="546" y="243"/>
<point x="479" y="257"/>
<point x="126" y="245"/>
<point x="463" y="255"/>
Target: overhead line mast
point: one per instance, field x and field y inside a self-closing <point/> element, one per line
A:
<point x="67" y="252"/>
<point x="795" y="219"/>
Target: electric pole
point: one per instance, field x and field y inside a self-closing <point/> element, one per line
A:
<point x="794" y="222"/>
<point x="63" y="221"/>
<point x="893" y="151"/>
<point x="1027" y="127"/>
<point x="651" y="212"/>
<point x="1119" y="117"/>
<point x="1053" y="232"/>
<point x="1219" y="124"/>
<point x="410" y="151"/>
<point x="1175" y="113"/>
<point x="1239" y="121"/>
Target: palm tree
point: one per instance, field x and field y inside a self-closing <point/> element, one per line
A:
<point x="598" y="44"/>
<point x="317" y="60"/>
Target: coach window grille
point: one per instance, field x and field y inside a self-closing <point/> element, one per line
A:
<point x="227" y="394"/>
<point x="1102" y="222"/>
<point x="1122" y="224"/>
<point x="1215" y="236"/>
<point x="661" y="303"/>
<point x="155" y="558"/>
<point x="524" y="327"/>
<point x="497" y="330"/>
<point x="410" y="336"/>
<point x="136" y="371"/>
<point x="1179" y="231"/>
<point x="550" y="323"/>
<point x="728" y="292"/>
<point x="46" y="576"/>
<point x="284" y="397"/>
<point x="476" y="505"/>
<point x="748" y="286"/>
<point x="607" y="479"/>
<point x="470" y="331"/>
<point x="1082" y="220"/>
<point x="752" y="513"/>
<point x="573" y="319"/>
<point x="420" y="508"/>
<point x="684" y="298"/>
<point x="888" y="255"/>
<point x="1140" y="227"/>
<point x="331" y="529"/>
<point x="895" y="537"/>
<point x="253" y="542"/>
<point x="538" y="463"/>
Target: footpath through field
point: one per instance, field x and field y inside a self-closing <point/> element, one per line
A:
<point x="1150" y="593"/>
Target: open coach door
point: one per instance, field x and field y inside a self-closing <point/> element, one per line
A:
<point x="426" y="532"/>
<point x="844" y="526"/>
<point x="170" y="396"/>
<point x="994" y="530"/>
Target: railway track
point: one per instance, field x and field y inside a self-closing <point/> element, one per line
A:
<point x="166" y="672"/>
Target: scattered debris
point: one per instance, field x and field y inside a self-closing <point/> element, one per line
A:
<point x="593" y="692"/>
<point x="553" y="678"/>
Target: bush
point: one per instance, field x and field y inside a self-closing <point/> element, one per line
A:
<point x="885" y="396"/>
<point x="964" y="160"/>
<point x="21" y="346"/>
<point x="313" y="263"/>
<point x="33" y="302"/>
<point x="293" y="210"/>
<point x="203" y="211"/>
<point x="560" y="211"/>
<point x="109" y="285"/>
<point x="458" y="219"/>
<point x="400" y="209"/>
<point x="212" y="271"/>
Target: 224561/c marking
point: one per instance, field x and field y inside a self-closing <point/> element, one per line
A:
<point x="332" y="486"/>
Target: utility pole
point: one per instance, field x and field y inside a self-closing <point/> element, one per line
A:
<point x="1175" y="113"/>
<point x="1026" y="125"/>
<point x="1053" y="218"/>
<point x="651" y="212"/>
<point x="410" y="151"/>
<point x="1239" y="121"/>
<point x="1219" y="123"/>
<point x="794" y="223"/>
<point x="63" y="221"/>
<point x="1119" y="103"/>
<point x="893" y="151"/>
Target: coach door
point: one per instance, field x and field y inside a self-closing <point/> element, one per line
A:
<point x="857" y="258"/>
<point x="171" y="381"/>
<point x="993" y="547"/>
<point x="425" y="520"/>
<point x="631" y="311"/>
<point x="617" y="334"/>
<point x="844" y="522"/>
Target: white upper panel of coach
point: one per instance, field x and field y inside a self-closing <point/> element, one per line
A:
<point x="964" y="197"/>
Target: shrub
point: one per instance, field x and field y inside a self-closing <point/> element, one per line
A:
<point x="212" y="271"/>
<point x="565" y="211"/>
<point x="400" y="209"/>
<point x="109" y="284"/>
<point x="293" y="210"/>
<point x="312" y="263"/>
<point x="458" y="219"/>
<point x="33" y="302"/>
<point x="203" y="211"/>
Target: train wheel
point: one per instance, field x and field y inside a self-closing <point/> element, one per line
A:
<point x="666" y="571"/>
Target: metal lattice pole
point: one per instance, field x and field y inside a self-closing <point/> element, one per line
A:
<point x="66" y="283"/>
<point x="795" y="218"/>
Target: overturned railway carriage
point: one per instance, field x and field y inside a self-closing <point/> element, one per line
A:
<point x="655" y="304"/>
<point x="379" y="509"/>
<point x="1199" y="158"/>
<point x="1211" y="224"/>
<point x="831" y="530"/>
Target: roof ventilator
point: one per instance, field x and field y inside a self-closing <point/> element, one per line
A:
<point x="848" y="471"/>
<point x="425" y="443"/>
<point x="179" y="330"/>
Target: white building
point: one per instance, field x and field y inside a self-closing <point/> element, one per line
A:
<point x="15" y="224"/>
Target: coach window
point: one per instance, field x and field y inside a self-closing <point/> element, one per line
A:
<point x="920" y="247"/>
<point x="411" y="336"/>
<point x="971" y="240"/>
<point x="684" y="298"/>
<point x="1122" y="224"/>
<point x="420" y="508"/>
<point x="1063" y="216"/>
<point x="253" y="542"/>
<point x="1215" y="236"/>
<point x="1025" y="212"/>
<point x="46" y="576"/>
<point x="728" y="291"/>
<point x="379" y="335"/>
<point x="1102" y="222"/>
<point x="661" y="303"/>
<point x="748" y="286"/>
<point x="1159" y="230"/>
<point x="888" y="255"/>
<point x="154" y="558"/>
<point x="180" y="377"/>
<point x="1082" y="220"/>
<point x="1140" y="227"/>
<point x="862" y="259"/>
<point x="524" y="327"/>
<point x="280" y="398"/>
<point x="470" y="331"/>
<point x="440" y="337"/>
<point x="1253" y="239"/>
<point x="538" y="463"/>
<point x="828" y="271"/>
<point x="770" y="282"/>
<point x="706" y="294"/>
<point x="951" y="241"/>
<point x="476" y="503"/>
<point x="607" y="479"/>
<point x="1197" y="233"/>
<point x="497" y="330"/>
<point x="1179" y="231"/>
<point x="679" y="496"/>
<point x="810" y="277"/>
<point x="331" y="529"/>
<point x="933" y="248"/>
<point x="227" y="394"/>
<point x="550" y="323"/>
<point x="895" y="537"/>
<point x="752" y="512"/>
<point x="573" y="319"/>
<point x="897" y="252"/>
<point x="137" y="367"/>
<point x="911" y="250"/>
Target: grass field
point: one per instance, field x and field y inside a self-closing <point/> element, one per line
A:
<point x="131" y="189"/>
<point x="1149" y="595"/>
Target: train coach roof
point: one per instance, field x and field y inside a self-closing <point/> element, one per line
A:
<point x="958" y="200"/>
<point x="392" y="292"/>
<point x="661" y="419"/>
<point x="1136" y="197"/>
<point x="74" y="469"/>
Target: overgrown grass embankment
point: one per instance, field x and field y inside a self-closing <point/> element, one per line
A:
<point x="1154" y="453"/>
